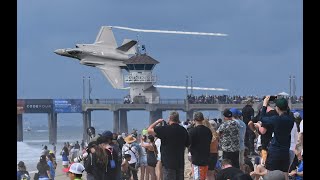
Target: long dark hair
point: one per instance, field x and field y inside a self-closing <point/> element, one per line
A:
<point x="43" y="159"/>
<point x="151" y="138"/>
<point x="101" y="154"/>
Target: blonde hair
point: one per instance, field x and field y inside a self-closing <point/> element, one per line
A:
<point x="213" y="131"/>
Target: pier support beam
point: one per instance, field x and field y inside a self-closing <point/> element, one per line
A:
<point x="19" y="127"/>
<point x="55" y="128"/>
<point x="155" y="115"/>
<point x="52" y="127"/>
<point x="123" y="121"/>
<point x="115" y="121"/>
<point x="189" y="115"/>
<point x="86" y="116"/>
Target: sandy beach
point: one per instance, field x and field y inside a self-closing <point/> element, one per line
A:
<point x="60" y="175"/>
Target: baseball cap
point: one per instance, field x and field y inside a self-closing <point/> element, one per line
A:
<point x="227" y="113"/>
<point x="234" y="111"/>
<point x="76" y="168"/>
<point x="107" y="134"/>
<point x="282" y="103"/>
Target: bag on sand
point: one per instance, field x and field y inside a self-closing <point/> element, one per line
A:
<point x="36" y="176"/>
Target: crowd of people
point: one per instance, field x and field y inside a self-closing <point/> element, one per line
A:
<point x="273" y="138"/>
<point x="235" y="99"/>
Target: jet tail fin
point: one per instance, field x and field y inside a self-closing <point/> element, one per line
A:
<point x="106" y="37"/>
<point x="128" y="46"/>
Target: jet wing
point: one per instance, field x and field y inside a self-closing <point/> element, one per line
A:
<point x="113" y="74"/>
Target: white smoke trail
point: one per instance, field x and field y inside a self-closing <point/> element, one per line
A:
<point x="194" y="88"/>
<point x="168" y="32"/>
<point x="183" y="87"/>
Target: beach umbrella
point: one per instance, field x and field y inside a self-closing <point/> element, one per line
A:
<point x="283" y="94"/>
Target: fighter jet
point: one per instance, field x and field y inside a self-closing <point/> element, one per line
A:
<point x="104" y="54"/>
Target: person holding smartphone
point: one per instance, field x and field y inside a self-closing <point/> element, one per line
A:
<point x="278" y="152"/>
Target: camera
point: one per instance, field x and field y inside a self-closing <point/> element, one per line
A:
<point x="272" y="98"/>
<point x="163" y="123"/>
<point x="80" y="158"/>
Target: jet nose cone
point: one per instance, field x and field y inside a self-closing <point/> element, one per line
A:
<point x="59" y="51"/>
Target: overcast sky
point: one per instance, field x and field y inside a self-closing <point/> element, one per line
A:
<point x="263" y="46"/>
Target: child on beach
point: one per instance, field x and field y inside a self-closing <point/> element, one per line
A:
<point x="126" y="168"/>
<point x="75" y="171"/>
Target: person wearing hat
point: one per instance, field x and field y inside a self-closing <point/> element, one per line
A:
<point x="75" y="171"/>
<point x="52" y="154"/>
<point x="112" y="150"/>
<point x="95" y="162"/>
<point x="230" y="138"/>
<point x="236" y="115"/>
<point x="174" y="140"/>
<point x="130" y="148"/>
<point x="22" y="172"/>
<point x="200" y="140"/>
<point x="278" y="151"/>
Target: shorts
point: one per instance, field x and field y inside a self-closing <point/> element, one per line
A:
<point x="143" y="161"/>
<point x="199" y="172"/>
<point x="213" y="157"/>
<point x="65" y="163"/>
<point x="277" y="161"/>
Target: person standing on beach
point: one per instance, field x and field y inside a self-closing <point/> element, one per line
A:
<point x="52" y="167"/>
<point x="65" y="154"/>
<point x="248" y="114"/>
<point x="236" y="116"/>
<point x="43" y="168"/>
<point x="45" y="150"/>
<point x="174" y="140"/>
<point x="143" y="158"/>
<point x="96" y="162"/>
<point x="230" y="138"/>
<point x="278" y="152"/>
<point x="213" y="157"/>
<point x="105" y="142"/>
<point x="159" y="173"/>
<point x="22" y="173"/>
<point x="54" y="147"/>
<point x="130" y="148"/>
<point x="152" y="152"/>
<point x="200" y="140"/>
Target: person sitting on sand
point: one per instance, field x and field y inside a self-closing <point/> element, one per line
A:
<point x="229" y="172"/>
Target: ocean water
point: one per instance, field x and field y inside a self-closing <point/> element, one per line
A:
<point x="29" y="150"/>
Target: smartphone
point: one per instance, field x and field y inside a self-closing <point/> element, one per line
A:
<point x="272" y="98"/>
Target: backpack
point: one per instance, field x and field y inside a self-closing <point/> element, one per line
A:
<point x="36" y="176"/>
<point x="23" y="175"/>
